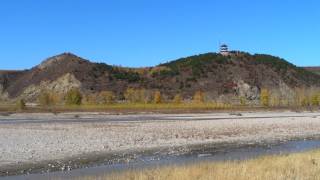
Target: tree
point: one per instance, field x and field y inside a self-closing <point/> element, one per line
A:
<point x="47" y="99"/>
<point x="177" y="99"/>
<point x="136" y="95"/>
<point x="275" y="98"/>
<point x="107" y="97"/>
<point x="275" y="101"/>
<point x="315" y="100"/>
<point x="91" y="98"/>
<point x="157" y="97"/>
<point x="198" y="97"/>
<point x="243" y="101"/>
<point x="130" y="95"/>
<point x="21" y="104"/>
<point x="265" y="97"/>
<point x="73" y="97"/>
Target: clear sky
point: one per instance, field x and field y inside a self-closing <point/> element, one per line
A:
<point x="147" y="32"/>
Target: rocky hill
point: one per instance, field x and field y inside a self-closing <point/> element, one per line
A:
<point x="239" y="74"/>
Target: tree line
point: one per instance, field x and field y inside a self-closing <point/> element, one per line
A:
<point x="299" y="97"/>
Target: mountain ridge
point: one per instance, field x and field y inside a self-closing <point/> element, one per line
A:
<point x="239" y="74"/>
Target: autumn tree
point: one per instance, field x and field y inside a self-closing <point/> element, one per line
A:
<point x="73" y="97"/>
<point x="265" y="97"/>
<point x="157" y="97"/>
<point x="47" y="99"/>
<point x="198" y="97"/>
<point x="91" y="98"/>
<point x="177" y="99"/>
<point x="136" y="95"/>
<point x="243" y="101"/>
<point x="21" y="104"/>
<point x="315" y="99"/>
<point x="107" y="97"/>
<point x="275" y="98"/>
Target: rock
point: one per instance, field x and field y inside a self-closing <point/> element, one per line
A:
<point x="245" y="90"/>
<point x="60" y="86"/>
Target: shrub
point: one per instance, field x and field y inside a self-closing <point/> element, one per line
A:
<point x="73" y="97"/>
<point x="265" y="97"/>
<point x="21" y="105"/>
<point x="157" y="97"/>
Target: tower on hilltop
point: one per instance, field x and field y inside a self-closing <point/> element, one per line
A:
<point x="224" y="50"/>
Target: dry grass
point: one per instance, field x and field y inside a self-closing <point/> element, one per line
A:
<point x="126" y="107"/>
<point x="298" y="166"/>
<point x="158" y="106"/>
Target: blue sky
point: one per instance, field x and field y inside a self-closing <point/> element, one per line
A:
<point x="147" y="32"/>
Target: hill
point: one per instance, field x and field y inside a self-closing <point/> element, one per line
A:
<point x="239" y="74"/>
<point x="315" y="70"/>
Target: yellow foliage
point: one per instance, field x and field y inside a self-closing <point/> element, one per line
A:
<point x="48" y="98"/>
<point x="157" y="97"/>
<point x="243" y="101"/>
<point x="198" y="97"/>
<point x="275" y="101"/>
<point x="177" y="99"/>
<point x="73" y="97"/>
<point x="21" y="104"/>
<point x="264" y="97"/>
<point x="315" y="99"/>
<point x="107" y="97"/>
<point x="135" y="95"/>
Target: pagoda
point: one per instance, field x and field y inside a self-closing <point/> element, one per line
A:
<point x="224" y="50"/>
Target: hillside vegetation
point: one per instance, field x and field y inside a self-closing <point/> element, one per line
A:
<point x="238" y="78"/>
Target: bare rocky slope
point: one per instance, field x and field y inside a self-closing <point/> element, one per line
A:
<point x="239" y="74"/>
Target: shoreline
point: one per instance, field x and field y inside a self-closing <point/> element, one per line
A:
<point x="148" y="108"/>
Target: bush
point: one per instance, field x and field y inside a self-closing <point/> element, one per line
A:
<point x="21" y="104"/>
<point x="265" y="97"/>
<point x="157" y="97"/>
<point x="73" y="97"/>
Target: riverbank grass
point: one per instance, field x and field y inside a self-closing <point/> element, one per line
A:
<point x="294" y="166"/>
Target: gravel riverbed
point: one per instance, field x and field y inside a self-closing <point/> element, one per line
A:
<point x="35" y="138"/>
